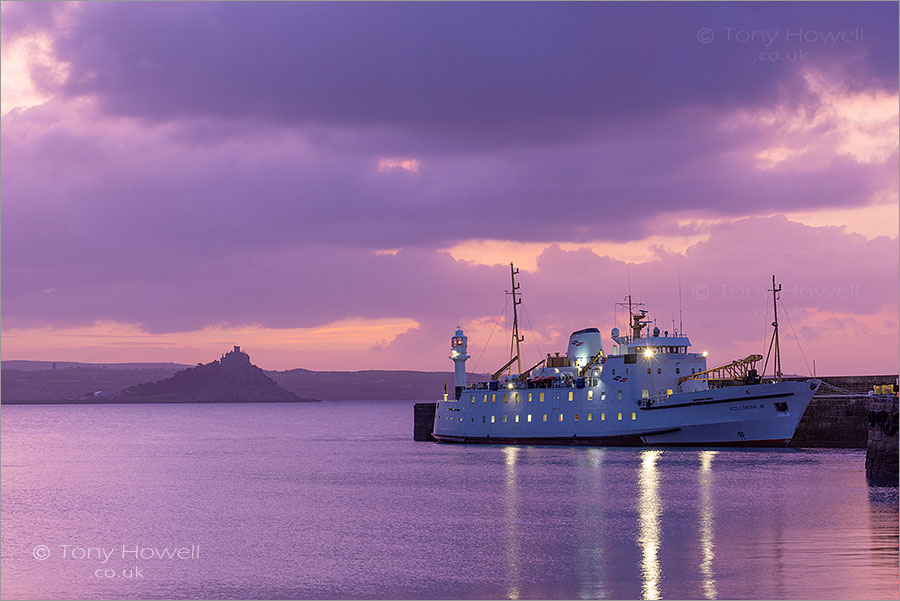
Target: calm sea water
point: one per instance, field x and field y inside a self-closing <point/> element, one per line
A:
<point x="335" y="500"/>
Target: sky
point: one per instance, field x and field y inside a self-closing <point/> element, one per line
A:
<point x="338" y="186"/>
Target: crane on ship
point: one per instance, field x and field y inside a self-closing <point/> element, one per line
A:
<point x="741" y="369"/>
<point x="744" y="370"/>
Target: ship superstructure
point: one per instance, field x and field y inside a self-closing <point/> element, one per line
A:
<point x="653" y="389"/>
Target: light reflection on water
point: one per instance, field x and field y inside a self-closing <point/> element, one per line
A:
<point x="333" y="500"/>
<point x="707" y="543"/>
<point x="649" y="510"/>
<point x="591" y="543"/>
<point x="512" y="517"/>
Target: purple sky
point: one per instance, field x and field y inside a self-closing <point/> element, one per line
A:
<point x="337" y="186"/>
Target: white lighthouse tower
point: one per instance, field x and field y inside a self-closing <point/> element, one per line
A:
<point x="459" y="346"/>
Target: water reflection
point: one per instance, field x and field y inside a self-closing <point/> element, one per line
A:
<point x="707" y="544"/>
<point x="513" y="551"/>
<point x="649" y="510"/>
<point x="591" y="536"/>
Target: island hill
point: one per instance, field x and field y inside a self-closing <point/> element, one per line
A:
<point x="231" y="379"/>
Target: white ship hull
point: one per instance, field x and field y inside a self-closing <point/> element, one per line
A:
<point x="743" y="415"/>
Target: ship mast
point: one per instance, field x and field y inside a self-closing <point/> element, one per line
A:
<point x="516" y="339"/>
<point x="774" y="343"/>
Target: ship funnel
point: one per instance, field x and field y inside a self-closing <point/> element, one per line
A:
<point x="584" y="345"/>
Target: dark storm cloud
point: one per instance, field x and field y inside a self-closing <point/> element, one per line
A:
<point x="476" y="73"/>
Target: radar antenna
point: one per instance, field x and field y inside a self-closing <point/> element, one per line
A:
<point x="634" y="321"/>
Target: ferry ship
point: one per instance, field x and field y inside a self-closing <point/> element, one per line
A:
<point x="651" y="390"/>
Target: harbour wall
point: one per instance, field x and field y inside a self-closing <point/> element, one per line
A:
<point x="423" y="421"/>
<point x="835" y="420"/>
<point x="881" y="449"/>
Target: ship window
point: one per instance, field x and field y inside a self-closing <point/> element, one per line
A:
<point x="504" y="419"/>
<point x="590" y="417"/>
<point x="529" y="418"/>
<point x="614" y="372"/>
<point x="473" y="398"/>
<point x="620" y="417"/>
<point x="505" y="399"/>
<point x="602" y="417"/>
<point x="669" y="391"/>
<point x="648" y="371"/>
<point x="571" y="396"/>
<point x="485" y="398"/>
<point x="619" y="395"/>
<point x="659" y="370"/>
<point x="529" y="397"/>
<point x="542" y="397"/>
<point x="590" y="395"/>
<point x="692" y="370"/>
<point x="494" y="398"/>
<point x="602" y="395"/>
<point x="560" y="416"/>
<point x="626" y="371"/>
<point x="483" y="419"/>
<point x="576" y="417"/>
<point x="645" y="394"/>
<point x="545" y="417"/>
<point x="492" y="419"/>
<point x="516" y="396"/>
<point x="633" y="415"/>
<point x="677" y="370"/>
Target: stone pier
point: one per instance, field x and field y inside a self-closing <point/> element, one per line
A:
<point x="881" y="451"/>
<point x="836" y="420"/>
<point x="423" y="422"/>
<point x="833" y="421"/>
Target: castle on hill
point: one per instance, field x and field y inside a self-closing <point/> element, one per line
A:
<point x="231" y="379"/>
<point x="235" y="356"/>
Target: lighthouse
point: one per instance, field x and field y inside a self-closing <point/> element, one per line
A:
<point x="459" y="346"/>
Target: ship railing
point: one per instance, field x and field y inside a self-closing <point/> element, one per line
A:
<point x="654" y="400"/>
<point x="529" y="383"/>
<point x="476" y="386"/>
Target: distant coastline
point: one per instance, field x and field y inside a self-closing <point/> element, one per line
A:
<point x="120" y="401"/>
<point x="73" y="383"/>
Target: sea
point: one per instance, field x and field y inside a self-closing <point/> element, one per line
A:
<point x="334" y="500"/>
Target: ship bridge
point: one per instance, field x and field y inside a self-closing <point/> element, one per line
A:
<point x="659" y="345"/>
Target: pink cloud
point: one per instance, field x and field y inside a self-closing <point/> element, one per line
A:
<point x="136" y="193"/>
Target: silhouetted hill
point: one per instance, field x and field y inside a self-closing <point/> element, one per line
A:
<point x="231" y="379"/>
